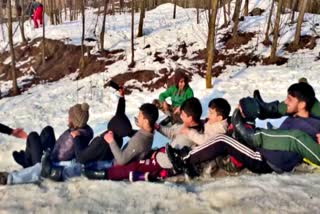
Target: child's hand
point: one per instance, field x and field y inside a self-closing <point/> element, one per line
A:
<point x="318" y="138"/>
<point x="108" y="137"/>
<point x="19" y="133"/>
<point x="75" y="133"/>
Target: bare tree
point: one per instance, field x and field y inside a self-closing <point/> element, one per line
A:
<point x="23" y="37"/>
<point x="222" y="2"/>
<point x="236" y="19"/>
<point x="15" y="89"/>
<point x="302" y="9"/>
<point x="82" y="60"/>
<point x="293" y="7"/>
<point x="106" y="2"/>
<point x="43" y="34"/>
<point x="266" y="37"/>
<point x="246" y="8"/>
<point x="198" y="12"/>
<point x="273" y="55"/>
<point x="174" y="9"/>
<point x="142" y="16"/>
<point x="132" y="34"/>
<point x="211" y="42"/>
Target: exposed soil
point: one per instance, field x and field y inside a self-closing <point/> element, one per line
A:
<point x="306" y="42"/>
<point x="61" y="60"/>
<point x="277" y="61"/>
<point x="243" y="38"/>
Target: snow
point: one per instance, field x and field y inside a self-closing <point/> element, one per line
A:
<point x="48" y="104"/>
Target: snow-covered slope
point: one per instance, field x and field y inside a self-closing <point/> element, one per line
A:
<point x="48" y="104"/>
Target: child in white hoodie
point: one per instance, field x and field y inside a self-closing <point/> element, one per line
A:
<point x="215" y="124"/>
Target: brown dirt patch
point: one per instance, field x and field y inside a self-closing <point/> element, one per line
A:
<point x="308" y="42"/>
<point x="277" y="61"/>
<point x="243" y="38"/>
<point x="61" y="60"/>
<point x="150" y="79"/>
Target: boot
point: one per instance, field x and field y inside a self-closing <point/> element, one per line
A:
<point x="94" y="174"/>
<point x="50" y="171"/>
<point x="19" y="157"/>
<point x="175" y="158"/>
<point x="267" y="110"/>
<point x="241" y="131"/>
<point x="3" y="178"/>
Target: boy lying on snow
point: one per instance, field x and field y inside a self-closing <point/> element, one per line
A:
<point x="189" y="133"/>
<point x="138" y="146"/>
<point x="264" y="151"/>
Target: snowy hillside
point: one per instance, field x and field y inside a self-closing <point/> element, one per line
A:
<point x="47" y="104"/>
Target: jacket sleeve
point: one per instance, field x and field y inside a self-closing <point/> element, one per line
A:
<point x="169" y="132"/>
<point x="189" y="93"/>
<point x="5" y="129"/>
<point x="166" y="94"/>
<point x="133" y="149"/>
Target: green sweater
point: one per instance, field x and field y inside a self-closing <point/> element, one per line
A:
<point x="176" y="99"/>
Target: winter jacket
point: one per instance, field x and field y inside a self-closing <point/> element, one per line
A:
<point x="210" y="131"/>
<point x="5" y="129"/>
<point x="67" y="147"/>
<point x="33" y="6"/>
<point x="176" y="99"/>
<point x="179" y="140"/>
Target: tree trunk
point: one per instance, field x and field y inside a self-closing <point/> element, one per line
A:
<point x="302" y="9"/>
<point x="15" y="89"/>
<point x="132" y="34"/>
<point x="82" y="61"/>
<point x="276" y="32"/>
<point x="266" y="37"/>
<point x="174" y="9"/>
<point x="236" y="19"/>
<point x="51" y="12"/>
<point x="246" y="8"/>
<point x="70" y="11"/>
<point x="293" y="6"/>
<point x="210" y="42"/>
<point x="23" y="37"/>
<point x="43" y="34"/>
<point x="142" y="15"/>
<point x="198" y="12"/>
<point x="224" y="13"/>
<point x="103" y="25"/>
<point x="1" y="18"/>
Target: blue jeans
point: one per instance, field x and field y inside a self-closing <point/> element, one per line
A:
<point x="71" y="169"/>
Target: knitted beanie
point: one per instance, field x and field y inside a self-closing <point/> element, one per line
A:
<point x="250" y="108"/>
<point x="79" y="115"/>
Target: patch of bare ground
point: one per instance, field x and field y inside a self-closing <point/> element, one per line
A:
<point x="278" y="61"/>
<point x="61" y="60"/>
<point x="243" y="38"/>
<point x="306" y="42"/>
<point x="150" y="79"/>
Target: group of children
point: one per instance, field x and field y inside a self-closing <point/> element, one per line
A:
<point x="192" y="141"/>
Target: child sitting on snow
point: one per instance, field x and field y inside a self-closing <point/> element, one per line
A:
<point x="215" y="124"/>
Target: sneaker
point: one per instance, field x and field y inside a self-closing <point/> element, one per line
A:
<point x="46" y="164"/>
<point x="138" y="176"/>
<point x="3" y="178"/>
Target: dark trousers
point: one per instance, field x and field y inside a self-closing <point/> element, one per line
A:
<point x="36" y="144"/>
<point x="98" y="149"/>
<point x="224" y="145"/>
